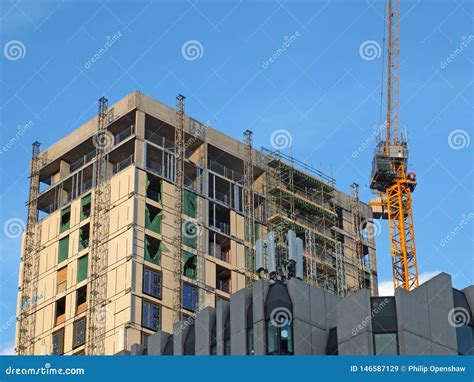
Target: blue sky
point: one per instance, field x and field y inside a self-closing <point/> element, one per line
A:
<point x="322" y="87"/>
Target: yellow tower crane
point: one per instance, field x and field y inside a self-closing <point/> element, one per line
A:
<point x="389" y="176"/>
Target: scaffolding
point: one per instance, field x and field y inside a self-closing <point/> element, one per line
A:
<point x="30" y="261"/>
<point x="300" y="198"/>
<point x="341" y="286"/>
<point x="359" y="246"/>
<point x="97" y="318"/>
<point x="249" y="209"/>
<point x="178" y="207"/>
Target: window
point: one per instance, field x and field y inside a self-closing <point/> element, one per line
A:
<point x="152" y="282"/>
<point x="223" y="279"/>
<point x="465" y="339"/>
<point x="58" y="342"/>
<point x="385" y="344"/>
<point x="65" y="219"/>
<point x="153" y="188"/>
<point x="250" y="343"/>
<point x="189" y="265"/>
<point x="85" y="207"/>
<point x="60" y="310"/>
<point x="63" y="249"/>
<point x="153" y="217"/>
<point x="151" y="316"/>
<point x="190" y="297"/>
<point x="61" y="281"/>
<point x="152" y="250"/>
<point x="84" y="233"/>
<point x="82" y="268"/>
<point x="279" y="338"/>
<point x="79" y="333"/>
<point x="81" y="300"/>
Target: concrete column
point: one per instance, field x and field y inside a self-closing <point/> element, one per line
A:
<point x="354" y="326"/>
<point x="239" y="305"/>
<point x="157" y="343"/>
<point x="259" y="296"/>
<point x="300" y="298"/>
<point x="422" y="315"/>
<point x="204" y="322"/>
<point x="222" y="310"/>
<point x="140" y="138"/>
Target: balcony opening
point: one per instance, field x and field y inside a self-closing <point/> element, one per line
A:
<point x="189" y="265"/>
<point x="86" y="207"/>
<point x="153" y="187"/>
<point x="81" y="300"/>
<point x="65" y="219"/>
<point x="223" y="279"/>
<point x="153" y="218"/>
<point x="152" y="250"/>
<point x="60" y="313"/>
<point x="219" y="247"/>
<point x="219" y="218"/>
<point x="84" y="235"/>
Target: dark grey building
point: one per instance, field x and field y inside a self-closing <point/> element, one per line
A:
<point x="294" y="318"/>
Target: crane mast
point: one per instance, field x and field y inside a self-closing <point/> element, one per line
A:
<point x="389" y="177"/>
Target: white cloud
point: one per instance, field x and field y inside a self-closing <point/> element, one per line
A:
<point x="7" y="350"/>
<point x="386" y="287"/>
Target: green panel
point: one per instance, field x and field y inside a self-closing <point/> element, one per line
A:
<point x="189" y="203"/>
<point x="189" y="265"/>
<point x="84" y="202"/>
<point x="63" y="249"/>
<point x="152" y="257"/>
<point x="155" y="224"/>
<point x="256" y="230"/>
<point x="65" y="226"/>
<point x="82" y="265"/>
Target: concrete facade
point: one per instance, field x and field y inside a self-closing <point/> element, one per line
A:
<point x="419" y="322"/>
<point x="140" y="171"/>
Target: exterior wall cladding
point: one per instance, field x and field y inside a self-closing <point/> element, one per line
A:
<point x="294" y="318"/>
<point x="217" y="261"/>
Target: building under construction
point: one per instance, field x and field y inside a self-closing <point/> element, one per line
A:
<point x="144" y="216"/>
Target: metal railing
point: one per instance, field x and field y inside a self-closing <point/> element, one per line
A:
<point x="225" y="171"/>
<point x="159" y="140"/>
<point x="124" y="134"/>
<point x="123" y="164"/>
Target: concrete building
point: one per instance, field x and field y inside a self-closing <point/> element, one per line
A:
<point x="294" y="318"/>
<point x="217" y="256"/>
